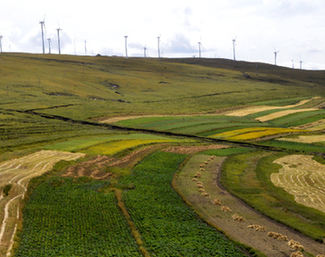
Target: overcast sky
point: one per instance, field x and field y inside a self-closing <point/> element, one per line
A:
<point x="294" y="27"/>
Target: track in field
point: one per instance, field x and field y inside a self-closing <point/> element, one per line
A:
<point x="18" y="172"/>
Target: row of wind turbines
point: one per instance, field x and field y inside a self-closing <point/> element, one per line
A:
<point x="42" y="23"/>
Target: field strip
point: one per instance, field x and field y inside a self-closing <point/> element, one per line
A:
<point x="302" y="177"/>
<point x="276" y="115"/>
<point x="305" y="139"/>
<point x="313" y="126"/>
<point x="135" y="233"/>
<point x="261" y="108"/>
<point x="17" y="173"/>
<point x="198" y="185"/>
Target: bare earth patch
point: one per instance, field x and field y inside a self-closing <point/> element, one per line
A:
<point x="98" y="166"/>
<point x="275" y="115"/>
<point x="198" y="185"/>
<point x="17" y="173"/>
<point x="305" y="139"/>
<point x="255" y="109"/>
<point x="302" y="177"/>
<point x="192" y="149"/>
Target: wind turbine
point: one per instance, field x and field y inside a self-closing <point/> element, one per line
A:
<point x="301" y="64"/>
<point x="275" y="55"/>
<point x="145" y="52"/>
<point x="234" y="48"/>
<point x="0" y="44"/>
<point x="158" y="38"/>
<point x="49" y="40"/>
<point x="126" y="46"/>
<point x="59" y="42"/>
<point x="199" y="43"/>
<point x="42" y="29"/>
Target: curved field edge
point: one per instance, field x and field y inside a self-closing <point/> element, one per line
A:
<point x="72" y="217"/>
<point x="247" y="176"/>
<point x="167" y="225"/>
<point x="208" y="220"/>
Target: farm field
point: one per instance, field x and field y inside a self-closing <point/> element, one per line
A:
<point x="15" y="176"/>
<point x="302" y="177"/>
<point x="229" y="214"/>
<point x="108" y="156"/>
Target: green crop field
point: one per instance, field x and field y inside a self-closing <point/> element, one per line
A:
<point x="136" y="123"/>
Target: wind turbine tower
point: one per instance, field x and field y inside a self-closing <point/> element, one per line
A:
<point x="59" y="42"/>
<point x="126" y="46"/>
<point x="0" y="44"/>
<point x="85" y="47"/>
<point x="49" y="40"/>
<point x="199" y="43"/>
<point x="293" y="63"/>
<point x="158" y="38"/>
<point x="42" y="28"/>
<point x="275" y="56"/>
<point x="144" y="52"/>
<point x="234" y="48"/>
<point x="301" y="64"/>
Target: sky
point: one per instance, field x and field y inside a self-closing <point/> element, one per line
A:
<point x="295" y="28"/>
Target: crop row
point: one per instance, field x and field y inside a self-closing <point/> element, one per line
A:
<point x="167" y="225"/>
<point x="70" y="217"/>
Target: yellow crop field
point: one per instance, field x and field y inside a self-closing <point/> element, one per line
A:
<point x="17" y="173"/>
<point x="253" y="133"/>
<point x="302" y="177"/>
<point x="118" y="146"/>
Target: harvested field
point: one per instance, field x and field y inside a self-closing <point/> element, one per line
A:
<point x="255" y="109"/>
<point x="17" y="173"/>
<point x="302" y="177"/>
<point x="305" y="139"/>
<point x="276" y="115"/>
<point x="192" y="149"/>
<point x="208" y="208"/>
<point x="98" y="166"/>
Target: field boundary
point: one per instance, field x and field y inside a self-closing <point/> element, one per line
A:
<point x="165" y="133"/>
<point x="135" y="233"/>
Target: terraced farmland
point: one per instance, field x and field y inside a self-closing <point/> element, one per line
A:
<point x="145" y="127"/>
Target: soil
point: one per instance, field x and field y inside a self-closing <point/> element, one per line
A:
<point x="192" y="149"/>
<point x="224" y="221"/>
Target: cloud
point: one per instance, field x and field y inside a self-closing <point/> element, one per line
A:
<point x="179" y="44"/>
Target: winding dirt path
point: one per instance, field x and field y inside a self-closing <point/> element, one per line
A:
<point x="211" y="202"/>
<point x="17" y="173"/>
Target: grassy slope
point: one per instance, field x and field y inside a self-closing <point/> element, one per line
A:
<point x="143" y="86"/>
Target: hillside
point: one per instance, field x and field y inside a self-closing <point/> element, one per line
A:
<point x="112" y="156"/>
<point x="90" y="87"/>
